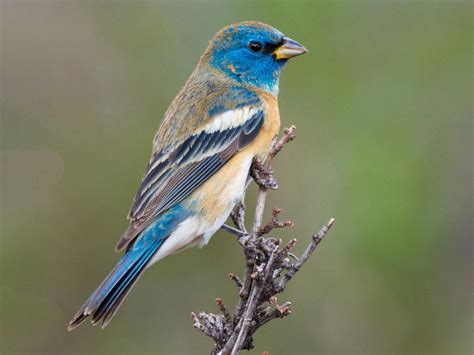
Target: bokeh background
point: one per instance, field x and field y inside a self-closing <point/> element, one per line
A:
<point x="383" y="109"/>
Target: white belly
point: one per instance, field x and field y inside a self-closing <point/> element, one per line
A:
<point x="215" y="200"/>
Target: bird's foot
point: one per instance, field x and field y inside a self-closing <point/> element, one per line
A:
<point x="238" y="216"/>
<point x="263" y="176"/>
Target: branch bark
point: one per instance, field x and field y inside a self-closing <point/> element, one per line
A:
<point x="269" y="267"/>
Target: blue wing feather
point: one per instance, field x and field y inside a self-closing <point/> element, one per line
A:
<point x="189" y="165"/>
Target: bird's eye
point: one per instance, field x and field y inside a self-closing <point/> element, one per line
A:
<point x="255" y="46"/>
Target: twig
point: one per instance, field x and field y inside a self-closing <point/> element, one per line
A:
<point x="274" y="223"/>
<point x="289" y="134"/>
<point x="249" y="314"/>
<point x="317" y="238"/>
<point x="269" y="267"/>
<point x="236" y="279"/>
<point x="224" y="310"/>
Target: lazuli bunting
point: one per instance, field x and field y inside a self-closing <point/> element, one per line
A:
<point x="225" y="115"/>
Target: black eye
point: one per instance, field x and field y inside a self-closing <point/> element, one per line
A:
<point x="255" y="46"/>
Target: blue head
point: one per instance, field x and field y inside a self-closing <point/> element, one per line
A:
<point x="252" y="53"/>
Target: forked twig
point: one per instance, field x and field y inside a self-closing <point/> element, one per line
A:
<point x="269" y="266"/>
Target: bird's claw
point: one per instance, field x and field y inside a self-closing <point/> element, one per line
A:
<point x="263" y="177"/>
<point x="268" y="183"/>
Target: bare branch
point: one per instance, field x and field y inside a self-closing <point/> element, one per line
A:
<point x="252" y="302"/>
<point x="289" y="134"/>
<point x="224" y="310"/>
<point x="317" y="238"/>
<point x="197" y="324"/>
<point x="236" y="279"/>
<point x="269" y="266"/>
<point x="274" y="223"/>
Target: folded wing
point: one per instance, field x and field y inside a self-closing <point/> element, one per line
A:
<point x="173" y="175"/>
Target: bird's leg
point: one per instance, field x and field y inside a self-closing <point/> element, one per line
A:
<point x="263" y="176"/>
<point x="238" y="217"/>
<point x="233" y="230"/>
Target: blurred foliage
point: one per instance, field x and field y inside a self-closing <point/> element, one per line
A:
<point x="383" y="107"/>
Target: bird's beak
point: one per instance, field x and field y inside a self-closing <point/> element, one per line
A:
<point x="289" y="49"/>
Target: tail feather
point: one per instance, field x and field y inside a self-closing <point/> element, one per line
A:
<point x="115" y="298"/>
<point x="107" y="298"/>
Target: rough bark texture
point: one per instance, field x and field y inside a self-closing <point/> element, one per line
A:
<point x="269" y="266"/>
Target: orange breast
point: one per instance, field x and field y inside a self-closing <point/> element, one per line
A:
<point x="218" y="195"/>
<point x="271" y="126"/>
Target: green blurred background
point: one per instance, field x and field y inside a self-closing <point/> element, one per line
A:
<point x="383" y="109"/>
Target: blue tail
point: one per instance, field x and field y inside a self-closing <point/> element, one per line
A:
<point x="107" y="298"/>
<point x="104" y="302"/>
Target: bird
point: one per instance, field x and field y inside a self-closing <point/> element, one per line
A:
<point x="224" y="117"/>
